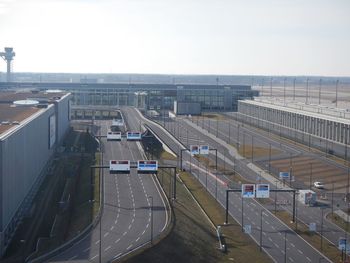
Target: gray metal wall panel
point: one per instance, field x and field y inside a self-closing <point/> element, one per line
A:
<point x="63" y="117"/>
<point x="24" y="155"/>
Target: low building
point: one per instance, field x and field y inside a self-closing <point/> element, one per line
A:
<point x="317" y="126"/>
<point x="32" y="125"/>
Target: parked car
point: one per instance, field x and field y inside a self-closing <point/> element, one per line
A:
<point x="318" y="185"/>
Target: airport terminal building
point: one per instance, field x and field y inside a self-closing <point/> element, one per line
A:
<point x="32" y="125"/>
<point x="149" y="96"/>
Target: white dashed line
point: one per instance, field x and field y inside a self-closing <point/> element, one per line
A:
<point x="98" y="241"/>
<point x="301" y="252"/>
<point x="290" y="259"/>
<point x="129" y="247"/>
<point x="308" y="259"/>
<point x="117" y="240"/>
<point x="106" y="234"/>
<point x="94" y="257"/>
<point x="138" y="239"/>
<point x="107" y="248"/>
<point x="73" y="257"/>
<point x="86" y="250"/>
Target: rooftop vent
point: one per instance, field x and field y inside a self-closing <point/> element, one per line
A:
<point x="26" y="103"/>
<point x="53" y="91"/>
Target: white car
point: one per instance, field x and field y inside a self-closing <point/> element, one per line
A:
<point x="318" y="185"/>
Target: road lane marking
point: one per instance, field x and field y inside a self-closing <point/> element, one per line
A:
<point x="301" y="252"/>
<point x="73" y="257"/>
<point x="94" y="257"/>
<point x="129" y="247"/>
<point x="124" y="233"/>
<point x="86" y="249"/>
<point x="292" y="244"/>
<point x="308" y="259"/>
<point x="106" y="234"/>
<point x="107" y="248"/>
<point x="117" y="240"/>
<point x="98" y="241"/>
<point x="138" y="239"/>
<point x="290" y="259"/>
<point x="129" y="226"/>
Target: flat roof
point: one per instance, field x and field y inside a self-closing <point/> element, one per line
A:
<point x="10" y="96"/>
<point x="12" y="116"/>
<point x="297" y="111"/>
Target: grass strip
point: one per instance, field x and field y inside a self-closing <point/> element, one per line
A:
<point x="328" y="249"/>
<point x="241" y="248"/>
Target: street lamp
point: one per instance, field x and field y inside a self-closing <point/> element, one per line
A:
<point x="151" y="208"/>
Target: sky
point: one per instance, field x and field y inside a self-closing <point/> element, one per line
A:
<point x="231" y="37"/>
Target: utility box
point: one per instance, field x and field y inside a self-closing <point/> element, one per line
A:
<point x="307" y="197"/>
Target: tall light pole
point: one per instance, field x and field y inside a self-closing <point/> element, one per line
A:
<point x="261" y="225"/>
<point x="336" y="93"/>
<point x="151" y="208"/>
<point x="319" y="92"/>
<point x="322" y="208"/>
<point x="294" y="89"/>
<point x="271" y="87"/>
<point x="307" y="91"/>
<point x="284" y="90"/>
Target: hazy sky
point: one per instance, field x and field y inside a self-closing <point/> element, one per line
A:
<point x="272" y="37"/>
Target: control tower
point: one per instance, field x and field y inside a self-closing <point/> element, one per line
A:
<point x="8" y="57"/>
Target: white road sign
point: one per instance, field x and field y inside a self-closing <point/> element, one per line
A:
<point x="133" y="136"/>
<point x="247" y="229"/>
<point x="147" y="166"/>
<point x="284" y="175"/>
<point x="114" y="136"/>
<point x="204" y="149"/>
<point x="312" y="227"/>
<point x="262" y="191"/>
<point x="194" y="149"/>
<point x="248" y="190"/>
<point x="119" y="166"/>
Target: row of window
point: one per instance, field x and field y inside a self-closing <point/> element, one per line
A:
<point x="328" y="129"/>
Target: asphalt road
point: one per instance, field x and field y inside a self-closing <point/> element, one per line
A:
<point x="305" y="214"/>
<point x="276" y="236"/>
<point x="126" y="220"/>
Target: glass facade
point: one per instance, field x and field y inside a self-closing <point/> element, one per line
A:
<point x="157" y="96"/>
